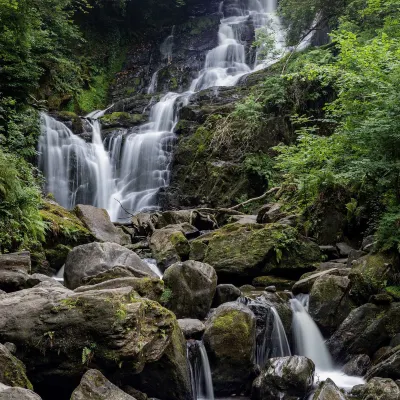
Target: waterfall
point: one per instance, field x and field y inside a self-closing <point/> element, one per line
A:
<point x="127" y="170"/>
<point x="200" y="372"/>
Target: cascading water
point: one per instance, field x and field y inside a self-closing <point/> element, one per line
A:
<point x="127" y="170"/>
<point x="310" y="343"/>
<point x="200" y="372"/>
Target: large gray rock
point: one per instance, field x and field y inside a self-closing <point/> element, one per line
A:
<point x="12" y="370"/>
<point x="17" y="393"/>
<point x="328" y="391"/>
<point x="192" y="328"/>
<point x="357" y="366"/>
<point x="98" y="222"/>
<point x="59" y="333"/>
<point x="225" y="293"/>
<point x="304" y="285"/>
<point x="330" y="302"/>
<point x="92" y="259"/>
<point x="192" y="285"/>
<point x="365" y="330"/>
<point x="14" y="271"/>
<point x="229" y="340"/>
<point x="388" y="366"/>
<point x="377" y="389"/>
<point x="95" y="386"/>
<point x="284" y="378"/>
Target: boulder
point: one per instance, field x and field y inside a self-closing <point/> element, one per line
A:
<point x="242" y="252"/>
<point x="344" y="249"/>
<point x="329" y="251"/>
<point x="371" y="274"/>
<point x="14" y="270"/>
<point x="269" y="213"/>
<point x="284" y="378"/>
<point x="12" y="370"/>
<point x="143" y="223"/>
<point x="368" y="243"/>
<point x="330" y="303"/>
<point x="353" y="256"/>
<point x="328" y="391"/>
<point x="59" y="333"/>
<point x="388" y="366"/>
<point x="169" y="245"/>
<point x="151" y="288"/>
<point x="92" y="259"/>
<point x="17" y="393"/>
<point x="357" y="365"/>
<point x="95" y="386"/>
<point x="98" y="222"/>
<point x="192" y="285"/>
<point x="225" y="293"/>
<point x="192" y="328"/>
<point x="270" y="280"/>
<point x="229" y="340"/>
<point x="305" y="284"/>
<point x="377" y="389"/>
<point x="365" y="330"/>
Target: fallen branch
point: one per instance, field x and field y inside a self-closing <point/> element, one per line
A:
<point x="266" y="194"/>
<point x="129" y="213"/>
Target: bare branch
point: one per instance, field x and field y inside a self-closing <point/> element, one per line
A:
<point x="266" y="194"/>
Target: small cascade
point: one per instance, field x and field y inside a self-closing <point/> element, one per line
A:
<point x="59" y="276"/>
<point x="153" y="266"/>
<point x="153" y="83"/>
<point x="200" y="372"/>
<point x="304" y="300"/>
<point x="166" y="47"/>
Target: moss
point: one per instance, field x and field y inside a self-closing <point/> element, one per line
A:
<point x="270" y="280"/>
<point x="123" y="119"/>
<point x="56" y="256"/>
<point x="394" y="291"/>
<point x="13" y="372"/>
<point x="166" y="296"/>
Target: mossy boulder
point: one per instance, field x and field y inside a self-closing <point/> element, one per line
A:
<point x="271" y="280"/>
<point x="17" y="393"/>
<point x="230" y="341"/>
<point x="240" y="252"/>
<point x="371" y="274"/>
<point x="328" y="391"/>
<point x="225" y="293"/>
<point x="12" y="370"/>
<point x="377" y="389"/>
<point x="121" y="120"/>
<point x="71" y="120"/>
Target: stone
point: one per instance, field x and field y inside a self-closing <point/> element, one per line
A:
<point x="354" y="255"/>
<point x="330" y="303"/>
<point x="151" y="288"/>
<point x="229" y="340"/>
<point x="225" y="293"/>
<point x="357" y="365"/>
<point x="143" y="223"/>
<point x="11" y="347"/>
<point x="35" y="279"/>
<point x="388" y="365"/>
<point x="344" y="249"/>
<point x="14" y="270"/>
<point x="192" y="285"/>
<point x="365" y="330"/>
<point x="305" y="284"/>
<point x="95" y="386"/>
<point x="395" y="340"/>
<point x="59" y="334"/>
<point x="168" y="246"/>
<point x="17" y="393"/>
<point x="192" y="328"/>
<point x="377" y="389"/>
<point x="328" y="391"/>
<point x="92" y="259"/>
<point x="269" y="213"/>
<point x="271" y="280"/>
<point x="12" y="370"/>
<point x="239" y="253"/>
<point x="247" y="288"/>
<point x="98" y="222"/>
<point x="284" y="378"/>
<point x="368" y="243"/>
<point x="329" y="251"/>
<point x="270" y="289"/>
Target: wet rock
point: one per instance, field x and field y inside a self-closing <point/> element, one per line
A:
<point x="143" y="223"/>
<point x="225" y="293"/>
<point x="247" y="288"/>
<point x="357" y="365"/>
<point x="121" y="120"/>
<point x="305" y="284"/>
<point x="330" y="302"/>
<point x="368" y="243"/>
<point x="344" y="249"/>
<point x="365" y="330"/>
<point x="169" y="245"/>
<point x="119" y="332"/>
<point x="229" y="340"/>
<point x="270" y="289"/>
<point x="284" y="378"/>
<point x="388" y="365"/>
<point x="192" y="285"/>
<point x="91" y="259"/>
<point x="151" y="288"/>
<point x="192" y="328"/>
<point x="328" y="391"/>
<point x="12" y="370"/>
<point x="98" y="222"/>
<point x="269" y="213"/>
<point x="14" y="270"/>
<point x="380" y="354"/>
<point x="94" y="385"/>
<point x="17" y="393"/>
<point x="278" y="282"/>
<point x="242" y="252"/>
<point x="35" y="279"/>
<point x="377" y="389"/>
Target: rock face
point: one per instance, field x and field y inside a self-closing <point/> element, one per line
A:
<point x="241" y="252"/>
<point x="377" y="389"/>
<point x="192" y="328"/>
<point x="225" y="293"/>
<point x="95" y="386"/>
<point x="16" y="393"/>
<point x="14" y="270"/>
<point x="92" y="259"/>
<point x="365" y="330"/>
<point x="328" y="391"/>
<point x="330" y="302"/>
<point x="229" y="340"/>
<point x="58" y="333"/>
<point x="192" y="285"/>
<point x="388" y="367"/>
<point x="12" y="370"/>
<point x="98" y="222"/>
<point x="357" y="366"/>
<point x="284" y="378"/>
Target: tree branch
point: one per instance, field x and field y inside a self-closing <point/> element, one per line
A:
<point x="266" y="194"/>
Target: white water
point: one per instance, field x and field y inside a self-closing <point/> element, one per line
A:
<point x="202" y="385"/>
<point x="153" y="266"/>
<point x="310" y="343"/>
<point x="131" y="166"/>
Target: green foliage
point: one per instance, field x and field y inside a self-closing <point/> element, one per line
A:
<point x="388" y="234"/>
<point x="20" y="221"/>
<point x="88" y="353"/>
<point x="265" y="44"/>
<point x="261" y="165"/>
<point x="166" y="296"/>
